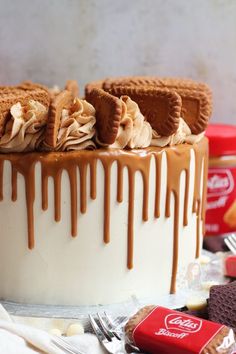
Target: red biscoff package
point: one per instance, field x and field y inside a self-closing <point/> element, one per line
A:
<point x="221" y="191"/>
<point x="158" y="330"/>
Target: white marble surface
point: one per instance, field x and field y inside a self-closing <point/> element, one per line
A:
<point x="52" y="40"/>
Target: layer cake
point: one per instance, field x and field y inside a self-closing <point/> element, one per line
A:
<point x="99" y="205"/>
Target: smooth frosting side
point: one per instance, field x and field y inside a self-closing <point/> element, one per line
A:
<point x="77" y="127"/>
<point x="25" y="129"/>
<point x="182" y="135"/>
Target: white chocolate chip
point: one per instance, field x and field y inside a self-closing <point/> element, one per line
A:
<point x="74" y="329"/>
<point x="196" y="303"/>
<point x="204" y="259"/>
<point x="221" y="254"/>
<point x="206" y="285"/>
<point x="55" y="332"/>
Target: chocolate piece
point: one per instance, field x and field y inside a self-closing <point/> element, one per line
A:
<point x="73" y="87"/>
<point x="108" y="114"/>
<point x="63" y="100"/>
<point x="160" y="107"/>
<point x="198" y="313"/>
<point x="222" y="304"/>
<point x="214" y="244"/>
<point x="196" y="97"/>
<point x="10" y="96"/>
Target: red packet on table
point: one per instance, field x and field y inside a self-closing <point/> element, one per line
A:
<point x="230" y="266"/>
<point x="158" y="330"/>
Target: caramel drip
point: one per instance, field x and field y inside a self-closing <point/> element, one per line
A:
<point x="93" y="179"/>
<point x="83" y="187"/>
<point x="53" y="164"/>
<point x="44" y="184"/>
<point x="131" y="219"/>
<point x="199" y="202"/>
<point x="186" y="198"/>
<point x="119" y="183"/>
<point x="73" y="199"/>
<point x="26" y="167"/>
<point x="14" y="184"/>
<point x="107" y="197"/>
<point x="178" y="160"/>
<point x="141" y="164"/>
<point x="1" y="179"/>
<point x="197" y="254"/>
<point x="57" y="195"/>
<point x="204" y="191"/>
<point x="145" y="193"/>
<point x="158" y="161"/>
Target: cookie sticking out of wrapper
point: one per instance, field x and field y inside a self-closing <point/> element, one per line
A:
<point x="63" y="100"/>
<point x="108" y="114"/>
<point x="222" y="304"/>
<point x="155" y="329"/>
<point x="11" y="96"/>
<point x="136" y="319"/>
<point x="160" y="107"/>
<point x="196" y="97"/>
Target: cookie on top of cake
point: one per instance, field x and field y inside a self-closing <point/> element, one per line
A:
<point x="127" y="113"/>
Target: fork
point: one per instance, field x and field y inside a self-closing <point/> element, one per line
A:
<point x="230" y="242"/>
<point x="68" y="348"/>
<point x="107" y="335"/>
<point x="116" y="327"/>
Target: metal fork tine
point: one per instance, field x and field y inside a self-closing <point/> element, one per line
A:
<point x="62" y="344"/>
<point x="109" y="320"/>
<point x="114" y="323"/>
<point x="233" y="239"/>
<point x="111" y="325"/>
<point x="229" y="245"/>
<point x="100" y="335"/>
<point x="106" y="330"/>
<point x="233" y="242"/>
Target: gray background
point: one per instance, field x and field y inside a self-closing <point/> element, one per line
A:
<point x="52" y="40"/>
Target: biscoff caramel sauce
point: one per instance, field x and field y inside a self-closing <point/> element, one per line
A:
<point x="54" y="163"/>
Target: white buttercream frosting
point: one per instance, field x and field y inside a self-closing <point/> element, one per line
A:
<point x="77" y="127"/>
<point x="25" y="129"/>
<point x="182" y="135"/>
<point x="134" y="132"/>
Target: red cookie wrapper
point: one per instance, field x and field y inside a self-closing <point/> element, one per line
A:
<point x="230" y="266"/>
<point x="221" y="201"/>
<point x="221" y="191"/>
<point x="165" y="331"/>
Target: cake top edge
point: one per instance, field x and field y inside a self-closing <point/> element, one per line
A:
<point x="116" y="113"/>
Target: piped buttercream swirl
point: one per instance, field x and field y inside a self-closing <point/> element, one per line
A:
<point x="25" y="129"/>
<point x="134" y="132"/>
<point x="182" y="135"/>
<point x="77" y="127"/>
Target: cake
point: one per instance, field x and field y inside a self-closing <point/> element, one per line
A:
<point x="103" y="197"/>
